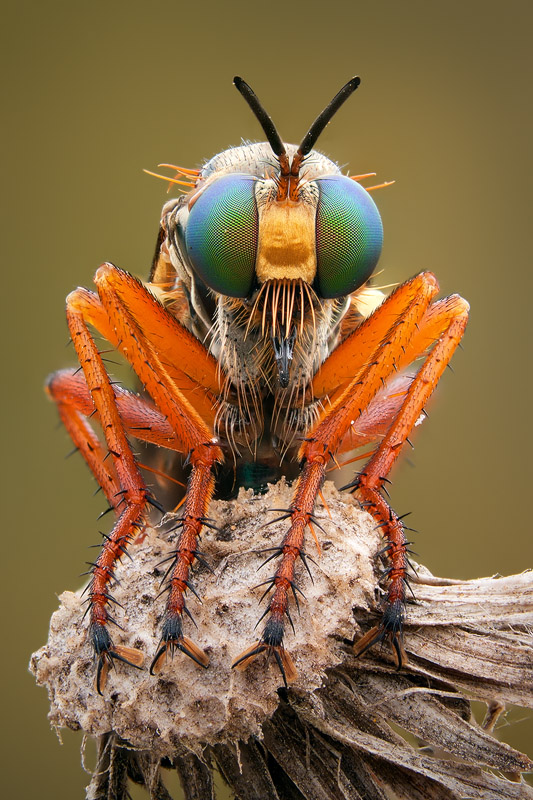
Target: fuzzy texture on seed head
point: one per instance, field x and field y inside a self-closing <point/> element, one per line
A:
<point x="184" y="703"/>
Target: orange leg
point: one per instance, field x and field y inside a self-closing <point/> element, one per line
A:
<point x="122" y="484"/>
<point x="453" y="316"/>
<point x="401" y="328"/>
<point x="141" y="419"/>
<point x="113" y="313"/>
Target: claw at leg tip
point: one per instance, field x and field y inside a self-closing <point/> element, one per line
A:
<point x="377" y="635"/>
<point x="128" y="655"/>
<point x="186" y="646"/>
<point x="283" y="659"/>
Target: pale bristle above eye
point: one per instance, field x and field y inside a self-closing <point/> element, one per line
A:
<point x="349" y="236"/>
<point x="221" y="235"/>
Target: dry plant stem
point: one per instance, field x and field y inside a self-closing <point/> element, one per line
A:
<point x="329" y="736"/>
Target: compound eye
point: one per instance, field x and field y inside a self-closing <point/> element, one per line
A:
<point x="221" y="235"/>
<point x="349" y="236"/>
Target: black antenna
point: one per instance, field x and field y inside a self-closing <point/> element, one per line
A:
<point x="324" y="117"/>
<point x="265" y="121"/>
<point x="288" y="179"/>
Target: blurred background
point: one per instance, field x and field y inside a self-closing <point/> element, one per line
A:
<point x="94" y="92"/>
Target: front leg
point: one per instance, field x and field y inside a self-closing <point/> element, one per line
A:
<point x="199" y="492"/>
<point x="125" y="301"/>
<point x="407" y="325"/>
<point x="283" y="581"/>
<point x="178" y="422"/>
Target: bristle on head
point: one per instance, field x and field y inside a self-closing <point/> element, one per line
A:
<point x="191" y="176"/>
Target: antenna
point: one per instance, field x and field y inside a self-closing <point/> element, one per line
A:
<point x="289" y="173"/>
<point x="325" y="116"/>
<point x="263" y="118"/>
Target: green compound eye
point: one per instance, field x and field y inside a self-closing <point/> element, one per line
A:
<point x="349" y="236"/>
<point x="221" y="235"/>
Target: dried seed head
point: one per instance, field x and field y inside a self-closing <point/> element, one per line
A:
<point x="183" y="702"/>
<point x="332" y="726"/>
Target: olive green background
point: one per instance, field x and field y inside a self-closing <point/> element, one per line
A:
<point x="94" y="92"/>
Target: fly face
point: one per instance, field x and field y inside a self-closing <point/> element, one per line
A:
<point x="270" y="244"/>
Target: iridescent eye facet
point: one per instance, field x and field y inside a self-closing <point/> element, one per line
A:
<point x="221" y="235"/>
<point x="349" y="236"/>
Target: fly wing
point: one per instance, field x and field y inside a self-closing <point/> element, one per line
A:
<point x="374" y="422"/>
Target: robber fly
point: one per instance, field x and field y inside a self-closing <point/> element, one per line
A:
<point x="259" y="358"/>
